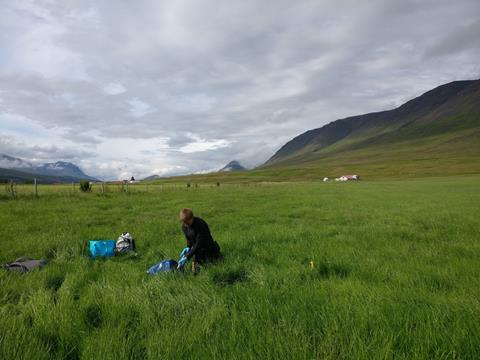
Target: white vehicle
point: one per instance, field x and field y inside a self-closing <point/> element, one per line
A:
<point x="348" y="178"/>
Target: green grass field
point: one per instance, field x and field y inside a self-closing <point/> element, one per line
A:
<point x="396" y="273"/>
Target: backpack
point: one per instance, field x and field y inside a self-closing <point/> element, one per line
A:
<point x="125" y="243"/>
<point x="102" y="248"/>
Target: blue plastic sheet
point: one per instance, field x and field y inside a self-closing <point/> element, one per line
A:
<point x="102" y="248"/>
<point x="163" y="266"/>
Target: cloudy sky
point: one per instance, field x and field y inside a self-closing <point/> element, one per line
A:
<point x="168" y="87"/>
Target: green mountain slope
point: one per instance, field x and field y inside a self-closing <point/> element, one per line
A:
<point x="436" y="133"/>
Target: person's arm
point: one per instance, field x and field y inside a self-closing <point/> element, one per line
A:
<point x="194" y="247"/>
<point x="199" y="241"/>
<point x="189" y="242"/>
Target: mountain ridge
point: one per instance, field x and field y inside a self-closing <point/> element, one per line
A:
<point x="446" y="109"/>
<point x="60" y="171"/>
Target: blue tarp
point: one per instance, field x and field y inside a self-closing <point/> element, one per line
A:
<point x="163" y="266"/>
<point x="102" y="248"/>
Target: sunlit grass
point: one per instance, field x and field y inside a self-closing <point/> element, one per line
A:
<point x="396" y="269"/>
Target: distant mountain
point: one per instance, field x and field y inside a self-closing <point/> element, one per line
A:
<point x="27" y="177"/>
<point x="152" y="177"/>
<point x="61" y="168"/>
<point x="433" y="133"/>
<point x="59" y="171"/>
<point x="233" y="166"/>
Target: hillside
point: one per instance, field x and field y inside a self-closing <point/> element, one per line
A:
<point x="151" y="177"/>
<point x="433" y="134"/>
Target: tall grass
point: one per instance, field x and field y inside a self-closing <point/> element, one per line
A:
<point x="396" y="269"/>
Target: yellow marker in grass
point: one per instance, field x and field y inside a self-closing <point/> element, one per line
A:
<point x="311" y="264"/>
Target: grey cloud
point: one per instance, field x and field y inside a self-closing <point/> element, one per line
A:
<point x="82" y="138"/>
<point x="179" y="139"/>
<point x="252" y="73"/>
<point x="41" y="153"/>
<point x="465" y="38"/>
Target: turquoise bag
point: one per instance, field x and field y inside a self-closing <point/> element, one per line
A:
<point x="102" y="248"/>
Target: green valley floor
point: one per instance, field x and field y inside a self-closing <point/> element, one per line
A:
<point x="364" y="270"/>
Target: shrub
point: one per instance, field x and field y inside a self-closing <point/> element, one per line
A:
<point x="85" y="186"/>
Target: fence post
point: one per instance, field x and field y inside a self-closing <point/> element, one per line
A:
<point x="13" y="190"/>
<point x="35" y="190"/>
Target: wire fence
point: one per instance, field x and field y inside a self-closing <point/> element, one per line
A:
<point x="13" y="190"/>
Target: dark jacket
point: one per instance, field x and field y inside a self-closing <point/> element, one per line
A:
<point x="199" y="240"/>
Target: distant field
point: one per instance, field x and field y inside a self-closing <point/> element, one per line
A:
<point x="396" y="269"/>
<point x="370" y="165"/>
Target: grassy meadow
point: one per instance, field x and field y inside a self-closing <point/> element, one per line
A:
<point x="396" y="273"/>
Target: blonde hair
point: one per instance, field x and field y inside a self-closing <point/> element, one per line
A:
<point x="186" y="214"/>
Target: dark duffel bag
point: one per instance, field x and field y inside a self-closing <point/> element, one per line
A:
<point x="24" y="264"/>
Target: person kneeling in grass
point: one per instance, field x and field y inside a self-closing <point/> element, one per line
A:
<point x="200" y="244"/>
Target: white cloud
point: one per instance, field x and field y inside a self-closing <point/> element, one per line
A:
<point x="170" y="170"/>
<point x="138" y="108"/>
<point x="129" y="82"/>
<point x="39" y="152"/>
<point x="200" y="145"/>
<point x="33" y="45"/>
<point x="114" y="89"/>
